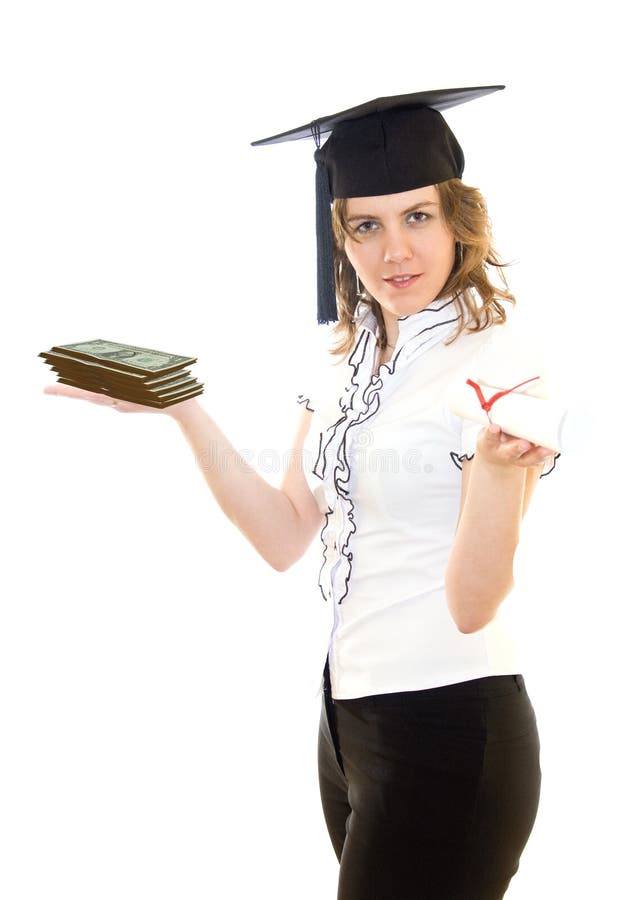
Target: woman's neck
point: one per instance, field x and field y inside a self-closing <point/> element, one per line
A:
<point x="391" y="327"/>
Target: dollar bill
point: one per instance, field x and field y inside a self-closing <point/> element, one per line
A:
<point x="89" y="378"/>
<point x="137" y="374"/>
<point x="62" y="360"/>
<point x="125" y="357"/>
<point x="144" y="401"/>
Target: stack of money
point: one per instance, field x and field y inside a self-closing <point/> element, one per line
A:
<point x="150" y="377"/>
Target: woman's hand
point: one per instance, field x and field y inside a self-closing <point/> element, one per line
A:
<point x="496" y="487"/>
<point x="500" y="449"/>
<point x="123" y="406"/>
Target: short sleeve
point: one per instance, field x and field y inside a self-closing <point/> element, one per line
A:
<point x="311" y="444"/>
<point x="313" y="360"/>
<point x="321" y="379"/>
<point x="310" y="453"/>
<point x="511" y="354"/>
<point x="469" y="436"/>
<point x="306" y="402"/>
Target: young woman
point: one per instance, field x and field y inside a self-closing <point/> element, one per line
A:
<point x="428" y="747"/>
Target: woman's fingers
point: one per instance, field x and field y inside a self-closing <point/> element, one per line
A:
<point x="537" y="456"/>
<point x="66" y="390"/>
<point x="504" y="449"/>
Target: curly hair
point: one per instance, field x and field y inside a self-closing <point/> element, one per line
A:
<point x="465" y="213"/>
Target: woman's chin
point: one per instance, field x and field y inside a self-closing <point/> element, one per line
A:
<point x="405" y="306"/>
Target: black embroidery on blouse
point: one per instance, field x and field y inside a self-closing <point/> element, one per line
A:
<point x="341" y="471"/>
<point x="369" y="401"/>
<point x="555" y="459"/>
<point x="306" y="400"/>
<point x="458" y="460"/>
<point x="430" y="309"/>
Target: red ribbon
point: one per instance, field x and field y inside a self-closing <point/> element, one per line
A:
<point x="488" y="404"/>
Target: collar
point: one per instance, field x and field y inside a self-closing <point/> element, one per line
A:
<point x="435" y="316"/>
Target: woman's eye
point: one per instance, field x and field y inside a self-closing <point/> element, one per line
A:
<point x="365" y="227"/>
<point x="418" y="216"/>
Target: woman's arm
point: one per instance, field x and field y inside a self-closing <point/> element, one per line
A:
<point x="496" y="488"/>
<point x="280" y="523"/>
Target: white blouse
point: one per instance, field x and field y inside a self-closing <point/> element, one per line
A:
<point x="383" y="458"/>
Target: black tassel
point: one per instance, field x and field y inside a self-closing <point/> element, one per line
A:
<point x="327" y="306"/>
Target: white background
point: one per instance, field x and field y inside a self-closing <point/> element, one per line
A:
<point x="158" y="682"/>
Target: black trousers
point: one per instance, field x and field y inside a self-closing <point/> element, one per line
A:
<point x="430" y="795"/>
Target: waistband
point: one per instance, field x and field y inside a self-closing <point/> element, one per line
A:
<point x="484" y="687"/>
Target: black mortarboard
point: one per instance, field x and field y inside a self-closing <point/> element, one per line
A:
<point x="386" y="146"/>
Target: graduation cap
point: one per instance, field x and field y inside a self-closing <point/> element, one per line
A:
<point x="385" y="146"/>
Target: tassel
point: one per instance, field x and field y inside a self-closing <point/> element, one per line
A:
<point x="327" y="304"/>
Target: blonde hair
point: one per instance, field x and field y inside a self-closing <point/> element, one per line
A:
<point x="466" y="215"/>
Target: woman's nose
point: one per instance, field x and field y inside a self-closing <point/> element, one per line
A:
<point x="397" y="248"/>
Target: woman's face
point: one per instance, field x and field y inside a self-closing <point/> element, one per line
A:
<point x="401" y="248"/>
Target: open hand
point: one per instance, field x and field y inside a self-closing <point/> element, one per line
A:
<point x="124" y="406"/>
<point x="501" y="449"/>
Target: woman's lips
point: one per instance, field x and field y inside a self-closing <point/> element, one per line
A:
<point x="400" y="282"/>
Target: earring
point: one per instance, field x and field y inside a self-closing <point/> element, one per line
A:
<point x="459" y="252"/>
<point x="359" y="290"/>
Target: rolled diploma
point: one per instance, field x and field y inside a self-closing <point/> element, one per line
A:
<point x="532" y="418"/>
